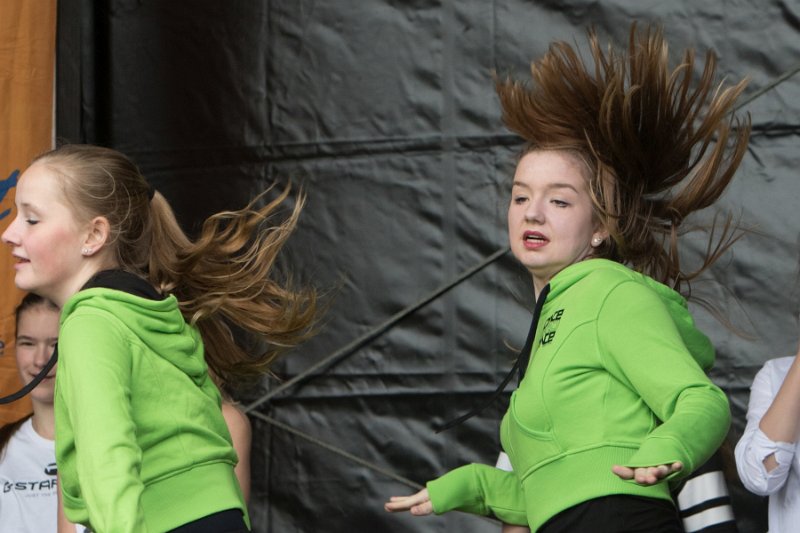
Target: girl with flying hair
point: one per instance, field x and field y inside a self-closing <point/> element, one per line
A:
<point x="141" y="442"/>
<point x="615" y="404"/>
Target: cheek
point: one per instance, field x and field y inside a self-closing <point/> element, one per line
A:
<point x="515" y="215"/>
<point x="54" y="247"/>
<point x="24" y="356"/>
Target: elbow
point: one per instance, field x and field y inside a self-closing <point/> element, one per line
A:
<point x="753" y="474"/>
<point x="723" y="406"/>
<point x="757" y="486"/>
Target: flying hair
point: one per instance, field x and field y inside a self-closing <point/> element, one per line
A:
<point x="658" y="146"/>
<point x="227" y="278"/>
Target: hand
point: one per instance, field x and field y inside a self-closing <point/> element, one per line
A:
<point x="647" y="475"/>
<point x="419" y="504"/>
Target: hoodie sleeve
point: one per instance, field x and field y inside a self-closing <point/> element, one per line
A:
<point x="94" y="376"/>
<point x="482" y="490"/>
<point x="642" y="347"/>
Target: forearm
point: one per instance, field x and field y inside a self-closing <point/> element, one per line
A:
<point x="482" y="490"/>
<point x="693" y="432"/>
<point x="782" y="418"/>
<point x="63" y="525"/>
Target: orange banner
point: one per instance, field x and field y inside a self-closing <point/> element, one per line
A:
<point x="27" y="73"/>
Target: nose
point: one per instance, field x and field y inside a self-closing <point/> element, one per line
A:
<point x="10" y="235"/>
<point x="534" y="211"/>
<point x="42" y="355"/>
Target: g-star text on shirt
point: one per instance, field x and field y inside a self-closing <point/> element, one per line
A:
<point x="550" y="326"/>
<point x="21" y="486"/>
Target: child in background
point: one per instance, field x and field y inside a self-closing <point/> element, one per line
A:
<point x="28" y="499"/>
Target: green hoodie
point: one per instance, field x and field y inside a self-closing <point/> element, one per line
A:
<point x="141" y="444"/>
<point x="616" y="377"/>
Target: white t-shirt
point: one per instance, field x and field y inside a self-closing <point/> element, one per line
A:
<point x="28" y="485"/>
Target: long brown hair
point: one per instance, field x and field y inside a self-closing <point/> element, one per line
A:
<point x="657" y="148"/>
<point x="225" y="279"/>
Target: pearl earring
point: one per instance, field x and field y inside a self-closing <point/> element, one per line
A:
<point x="86" y="251"/>
<point x="596" y="241"/>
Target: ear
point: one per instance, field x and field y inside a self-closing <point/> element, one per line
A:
<point x="599" y="236"/>
<point x="98" y="232"/>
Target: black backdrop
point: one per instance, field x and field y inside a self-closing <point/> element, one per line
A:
<point x="384" y="112"/>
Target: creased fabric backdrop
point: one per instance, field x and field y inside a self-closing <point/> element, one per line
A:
<point x="384" y="113"/>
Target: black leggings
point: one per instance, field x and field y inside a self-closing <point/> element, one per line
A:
<point x="230" y="521"/>
<point x="617" y="514"/>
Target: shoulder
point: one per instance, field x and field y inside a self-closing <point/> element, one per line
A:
<point x="607" y="278"/>
<point x="779" y="364"/>
<point x="625" y="291"/>
<point x="84" y="321"/>
<point x="88" y="306"/>
<point x="597" y="287"/>
<point x="774" y="370"/>
<point x="591" y="281"/>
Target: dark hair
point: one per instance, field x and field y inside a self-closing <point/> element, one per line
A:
<point x="657" y="149"/>
<point x="30" y="301"/>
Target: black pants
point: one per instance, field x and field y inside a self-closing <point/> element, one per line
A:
<point x="617" y="514"/>
<point x="230" y="521"/>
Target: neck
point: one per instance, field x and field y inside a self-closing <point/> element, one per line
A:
<point x="538" y="285"/>
<point x="89" y="269"/>
<point x="44" y="420"/>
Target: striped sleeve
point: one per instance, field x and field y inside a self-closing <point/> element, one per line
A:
<point x="704" y="501"/>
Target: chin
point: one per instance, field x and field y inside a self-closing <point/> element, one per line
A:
<point x="23" y="284"/>
<point x="30" y="285"/>
<point x="44" y="396"/>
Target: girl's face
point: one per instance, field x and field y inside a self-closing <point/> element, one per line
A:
<point x="550" y="218"/>
<point x="37" y="333"/>
<point x="45" y="238"/>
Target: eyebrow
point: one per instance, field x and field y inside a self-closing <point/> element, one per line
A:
<point x="29" y="338"/>
<point x="554" y="185"/>
<point x="28" y="205"/>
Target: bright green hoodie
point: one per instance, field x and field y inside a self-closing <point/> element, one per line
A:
<point x="141" y="444"/>
<point x="616" y="377"/>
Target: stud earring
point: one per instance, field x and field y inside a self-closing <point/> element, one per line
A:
<point x="596" y="241"/>
<point x="86" y="251"/>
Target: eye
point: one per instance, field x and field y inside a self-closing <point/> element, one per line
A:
<point x="24" y="343"/>
<point x="559" y="203"/>
<point x="31" y="221"/>
<point x="519" y="199"/>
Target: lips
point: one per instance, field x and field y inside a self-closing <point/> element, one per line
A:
<point x="534" y="240"/>
<point x="46" y="379"/>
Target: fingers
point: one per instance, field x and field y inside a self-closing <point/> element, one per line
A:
<point x="418" y="504"/>
<point x="623" y="472"/>
<point x="422" y="509"/>
<point x="647" y="475"/>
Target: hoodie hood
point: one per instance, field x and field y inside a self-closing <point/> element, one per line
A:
<point x="695" y="340"/>
<point x="157" y="323"/>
